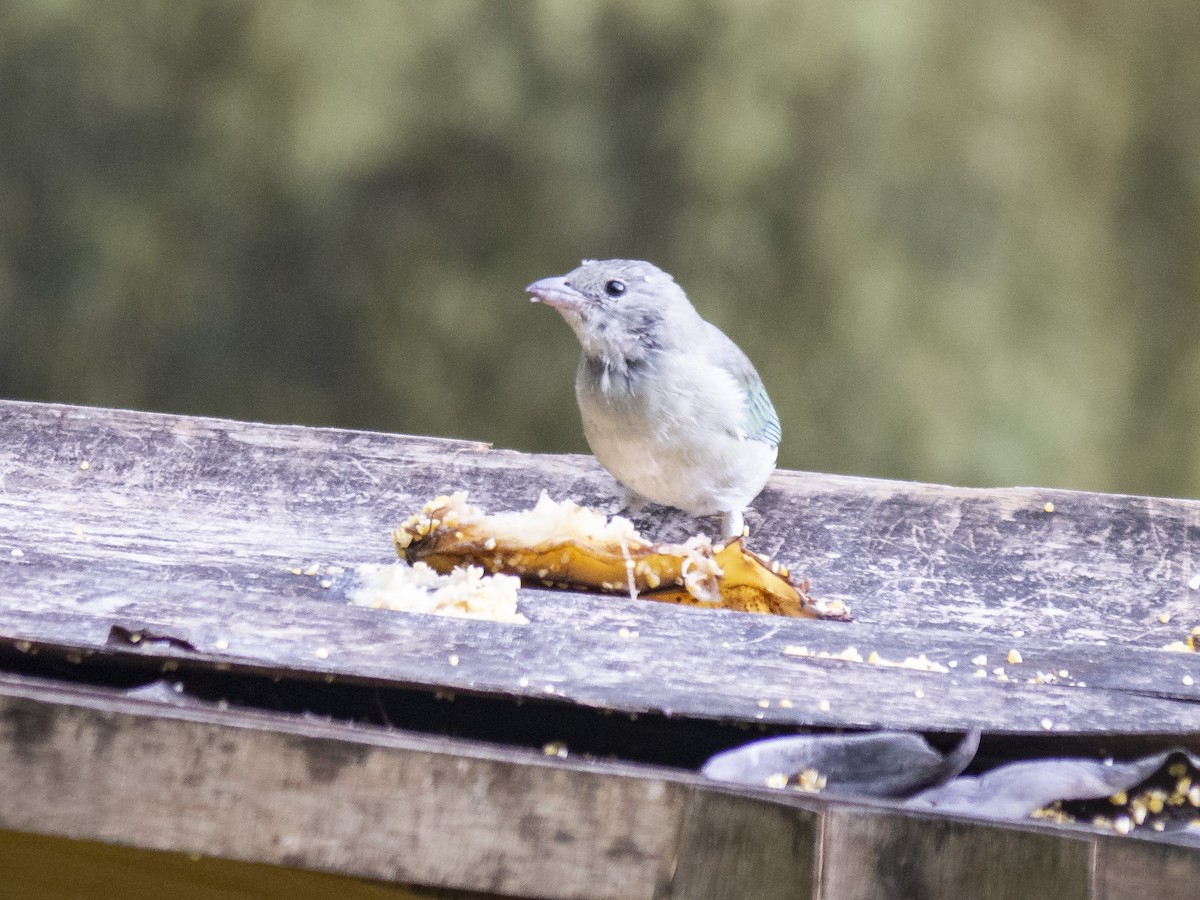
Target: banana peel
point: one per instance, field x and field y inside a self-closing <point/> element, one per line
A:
<point x="570" y="546"/>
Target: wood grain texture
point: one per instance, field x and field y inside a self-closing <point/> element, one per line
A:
<point x="870" y="855"/>
<point x="364" y="802"/>
<point x="96" y="764"/>
<point x="190" y="528"/>
<point x="744" y="847"/>
<point x="1137" y="869"/>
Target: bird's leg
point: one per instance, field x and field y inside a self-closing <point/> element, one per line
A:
<point x="632" y="504"/>
<point x="733" y="523"/>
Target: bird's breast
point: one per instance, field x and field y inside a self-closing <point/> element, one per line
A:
<point x="672" y="434"/>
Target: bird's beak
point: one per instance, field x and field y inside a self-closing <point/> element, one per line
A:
<point x="557" y="293"/>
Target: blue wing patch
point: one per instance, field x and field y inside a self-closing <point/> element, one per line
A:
<point x="761" y="422"/>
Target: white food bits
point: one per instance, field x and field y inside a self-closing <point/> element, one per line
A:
<point x="322" y="653"/>
<point x="221" y="644"/>
<point x="1014" y="657"/>
<point x="17" y="552"/>
<point x="85" y="465"/>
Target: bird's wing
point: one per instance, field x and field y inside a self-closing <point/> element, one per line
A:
<point x="761" y="422"/>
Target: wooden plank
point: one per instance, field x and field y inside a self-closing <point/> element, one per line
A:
<point x="1098" y="567"/>
<point x="363" y="802"/>
<point x="1133" y="869"/>
<point x="732" y="846"/>
<point x="190" y="528"/>
<point x="93" y="764"/>
<point x="707" y="666"/>
<point x="868" y="855"/>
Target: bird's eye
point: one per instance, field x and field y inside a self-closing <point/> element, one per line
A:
<point x="614" y="288"/>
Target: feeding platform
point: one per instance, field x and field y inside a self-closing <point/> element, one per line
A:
<point x="180" y="673"/>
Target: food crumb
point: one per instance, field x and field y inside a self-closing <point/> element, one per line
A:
<point x="85" y="465"/>
<point x="18" y="552"/>
<point x="314" y="569"/>
<point x="1048" y="508"/>
<point x="626" y="632"/>
<point x="764" y="704"/>
<point x="919" y="694"/>
<point x="297" y="571"/>
<point x="786" y="703"/>
<point x="1164" y="618"/>
<point x="1014" y="657"/>
<point x="454" y="659"/>
<point x="980" y="660"/>
<point x="1047" y="724"/>
<point x="778" y="780"/>
<point x="221" y="644"/>
<point x="1188" y="680"/>
<point x="823" y="706"/>
<point x="322" y="653"/>
<point x="1194" y="584"/>
<point x="555" y="748"/>
<point x="326" y="583"/>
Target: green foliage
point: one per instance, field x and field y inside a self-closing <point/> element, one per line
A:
<point x="959" y="239"/>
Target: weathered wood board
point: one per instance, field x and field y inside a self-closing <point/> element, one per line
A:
<point x="190" y="529"/>
<point x="91" y="764"/>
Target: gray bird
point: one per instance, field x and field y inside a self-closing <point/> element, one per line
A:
<point x="670" y="405"/>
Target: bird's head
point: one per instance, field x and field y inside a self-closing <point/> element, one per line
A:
<point x="622" y="310"/>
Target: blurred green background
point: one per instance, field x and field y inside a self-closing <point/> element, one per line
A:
<point x="960" y="239"/>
